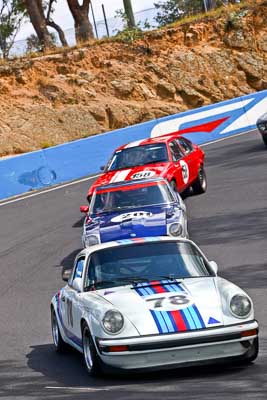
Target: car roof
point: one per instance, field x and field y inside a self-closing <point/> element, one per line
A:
<point x="133" y="241"/>
<point x="132" y="182"/>
<point x="159" y="139"/>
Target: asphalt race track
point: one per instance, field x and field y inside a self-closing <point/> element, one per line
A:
<point x="40" y="234"/>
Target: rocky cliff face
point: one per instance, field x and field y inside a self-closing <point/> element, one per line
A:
<point x="77" y="93"/>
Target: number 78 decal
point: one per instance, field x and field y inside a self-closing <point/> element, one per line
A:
<point x="168" y="303"/>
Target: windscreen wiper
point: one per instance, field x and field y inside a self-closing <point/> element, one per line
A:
<point x="170" y="277"/>
<point x="93" y="285"/>
<point x="133" y="279"/>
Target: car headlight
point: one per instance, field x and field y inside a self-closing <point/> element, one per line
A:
<point x="113" y="321"/>
<point x="91" y="240"/>
<point x="176" y="229"/>
<point x="240" y="305"/>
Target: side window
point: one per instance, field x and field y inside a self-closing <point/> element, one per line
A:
<point x="79" y="268"/>
<point x="186" y="145"/>
<point x="176" y="152"/>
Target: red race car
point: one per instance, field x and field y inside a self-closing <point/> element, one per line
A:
<point x="172" y="157"/>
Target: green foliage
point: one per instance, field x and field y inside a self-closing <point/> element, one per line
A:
<point x="173" y="10"/>
<point x="34" y="44"/>
<point x="127" y="34"/>
<point x="12" y="13"/>
<point x="235" y="20"/>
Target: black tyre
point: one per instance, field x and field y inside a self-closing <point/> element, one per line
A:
<point x="173" y="185"/>
<point x="60" y="345"/>
<point x="253" y="352"/>
<point x="89" y="198"/>
<point x="264" y="138"/>
<point x="90" y="356"/>
<point x="200" y="184"/>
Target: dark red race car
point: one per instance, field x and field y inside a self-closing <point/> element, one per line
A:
<point x="174" y="158"/>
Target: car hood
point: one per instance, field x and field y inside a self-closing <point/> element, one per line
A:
<point x="168" y="306"/>
<point x="135" y="222"/>
<point x="143" y="171"/>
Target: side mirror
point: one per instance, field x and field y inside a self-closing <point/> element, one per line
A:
<point x="66" y="275"/>
<point x="214" y="267"/>
<point x="102" y="167"/>
<point x="77" y="284"/>
<point x="84" y="209"/>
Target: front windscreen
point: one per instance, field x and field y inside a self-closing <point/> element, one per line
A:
<point x="139" y="155"/>
<point x="145" y="262"/>
<point x="132" y="196"/>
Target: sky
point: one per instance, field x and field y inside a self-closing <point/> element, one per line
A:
<point x="63" y="17"/>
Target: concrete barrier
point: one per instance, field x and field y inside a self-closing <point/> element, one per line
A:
<point x="83" y="157"/>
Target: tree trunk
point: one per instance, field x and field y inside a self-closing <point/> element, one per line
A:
<point x="60" y="32"/>
<point x="83" y="27"/>
<point x="129" y="13"/>
<point x="37" y="18"/>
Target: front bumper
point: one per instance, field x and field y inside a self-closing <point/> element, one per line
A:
<point x="179" y="349"/>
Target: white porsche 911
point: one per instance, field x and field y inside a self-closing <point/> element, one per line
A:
<point x="152" y="303"/>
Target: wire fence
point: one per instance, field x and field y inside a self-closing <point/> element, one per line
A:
<point x="144" y="18"/>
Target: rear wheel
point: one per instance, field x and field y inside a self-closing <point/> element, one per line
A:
<point x="264" y="138"/>
<point x="91" y="358"/>
<point x="200" y="184"/>
<point x="59" y="343"/>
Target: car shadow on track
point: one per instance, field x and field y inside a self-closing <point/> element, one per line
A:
<point x="79" y="223"/>
<point x="68" y="370"/>
<point x="67" y="262"/>
<point x="49" y="375"/>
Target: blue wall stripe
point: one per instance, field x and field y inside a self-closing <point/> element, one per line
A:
<point x="48" y="167"/>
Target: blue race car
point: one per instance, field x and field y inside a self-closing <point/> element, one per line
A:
<point x="133" y="209"/>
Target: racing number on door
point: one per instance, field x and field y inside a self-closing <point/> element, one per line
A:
<point x="69" y="312"/>
<point x="177" y="300"/>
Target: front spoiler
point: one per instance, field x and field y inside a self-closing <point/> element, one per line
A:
<point x="180" y="349"/>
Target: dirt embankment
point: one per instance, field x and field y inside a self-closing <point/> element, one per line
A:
<point x="77" y="93"/>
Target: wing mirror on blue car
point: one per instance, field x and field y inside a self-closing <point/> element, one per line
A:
<point x="84" y="209"/>
<point x="66" y="275"/>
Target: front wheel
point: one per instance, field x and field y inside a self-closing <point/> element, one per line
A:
<point x="90" y="356"/>
<point x="253" y="352"/>
<point x="60" y="345"/>
<point x="264" y="138"/>
<point x="200" y="184"/>
<point x="173" y="185"/>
